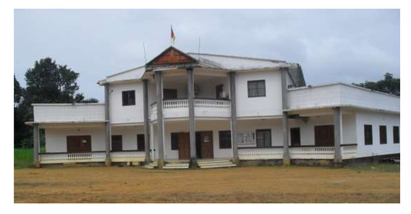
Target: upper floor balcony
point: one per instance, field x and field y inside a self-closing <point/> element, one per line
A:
<point x="58" y="113"/>
<point x="203" y="108"/>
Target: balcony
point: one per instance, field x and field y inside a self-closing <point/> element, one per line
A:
<point x="57" y="113"/>
<point x="207" y="108"/>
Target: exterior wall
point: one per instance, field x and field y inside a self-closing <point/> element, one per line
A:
<point x="90" y="112"/>
<point x="56" y="138"/>
<point x="129" y="135"/>
<point x="270" y="105"/>
<point x="376" y="119"/>
<point x="307" y="129"/>
<point x="182" y="126"/>
<point x="341" y="95"/>
<point x="126" y="114"/>
<point x="252" y="125"/>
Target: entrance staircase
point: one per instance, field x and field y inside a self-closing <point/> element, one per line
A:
<point x="215" y="163"/>
<point x="151" y="165"/>
<point x="177" y="165"/>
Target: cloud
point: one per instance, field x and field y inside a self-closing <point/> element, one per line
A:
<point x="331" y="45"/>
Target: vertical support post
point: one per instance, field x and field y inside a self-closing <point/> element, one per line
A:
<point x="146" y="122"/>
<point x="284" y="94"/>
<point x="160" y="121"/>
<point x="107" y="123"/>
<point x="36" y="145"/>
<point x="233" y="118"/>
<point x="337" y="136"/>
<point x="192" y="129"/>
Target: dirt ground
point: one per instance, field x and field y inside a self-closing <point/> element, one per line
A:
<point x="240" y="185"/>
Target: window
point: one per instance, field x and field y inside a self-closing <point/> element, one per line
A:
<point x="225" y="139"/>
<point x="129" y="98"/>
<point x="256" y="88"/>
<point x="383" y="135"/>
<point x="174" y="141"/>
<point x="141" y="146"/>
<point x="396" y="133"/>
<point x="368" y="134"/>
<point x="263" y="138"/>
<point x="295" y="137"/>
<point x="116" y="143"/>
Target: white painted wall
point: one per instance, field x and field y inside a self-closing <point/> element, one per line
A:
<point x="307" y="129"/>
<point x="252" y="125"/>
<point x="270" y="105"/>
<point x="126" y="114"/>
<point x="56" y="138"/>
<point x="129" y="135"/>
<point x="376" y="119"/>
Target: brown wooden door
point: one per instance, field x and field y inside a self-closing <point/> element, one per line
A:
<point x="324" y="135"/>
<point x="183" y="146"/>
<point x="207" y="145"/>
<point x="78" y="144"/>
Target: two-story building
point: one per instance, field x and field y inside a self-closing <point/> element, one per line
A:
<point x="209" y="110"/>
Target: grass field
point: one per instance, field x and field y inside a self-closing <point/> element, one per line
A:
<point x="23" y="157"/>
<point x="235" y="185"/>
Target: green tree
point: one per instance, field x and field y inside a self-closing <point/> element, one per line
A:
<point x="47" y="82"/>
<point x="389" y="85"/>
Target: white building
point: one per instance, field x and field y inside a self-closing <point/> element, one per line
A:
<point x="194" y="107"/>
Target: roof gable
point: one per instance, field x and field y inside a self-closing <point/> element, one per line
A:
<point x="171" y="56"/>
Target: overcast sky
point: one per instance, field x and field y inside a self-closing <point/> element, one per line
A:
<point x="330" y="45"/>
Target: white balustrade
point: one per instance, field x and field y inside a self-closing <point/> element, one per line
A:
<point x="86" y="157"/>
<point x="90" y="157"/>
<point x="127" y="156"/>
<point x="203" y="108"/>
<point x="260" y="153"/>
<point x="317" y="152"/>
<point x="349" y="151"/>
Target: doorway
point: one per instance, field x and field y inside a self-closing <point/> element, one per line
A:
<point x="324" y="135"/>
<point x="78" y="144"/>
<point x="204" y="145"/>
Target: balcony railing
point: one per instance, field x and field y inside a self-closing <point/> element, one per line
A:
<point x="203" y="108"/>
<point x="304" y="152"/>
<point x="91" y="157"/>
<point x="91" y="112"/>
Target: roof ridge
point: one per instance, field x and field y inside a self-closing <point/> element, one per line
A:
<point x="239" y="57"/>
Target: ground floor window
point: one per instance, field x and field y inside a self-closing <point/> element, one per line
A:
<point x="263" y="138"/>
<point x="368" y="134"/>
<point x="174" y="141"/>
<point x="225" y="139"/>
<point x="295" y="137"/>
<point x="116" y="143"/>
<point x="396" y="133"/>
<point x="141" y="146"/>
<point x="383" y="135"/>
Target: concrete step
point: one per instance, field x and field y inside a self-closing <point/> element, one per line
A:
<point x="176" y="166"/>
<point x="218" y="166"/>
<point x="151" y="165"/>
<point x="213" y="161"/>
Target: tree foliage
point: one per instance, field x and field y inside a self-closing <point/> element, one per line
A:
<point x="46" y="82"/>
<point x="389" y="85"/>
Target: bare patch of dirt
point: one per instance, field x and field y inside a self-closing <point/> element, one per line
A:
<point x="236" y="185"/>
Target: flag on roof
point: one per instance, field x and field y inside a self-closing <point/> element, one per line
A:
<point x="173" y="37"/>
